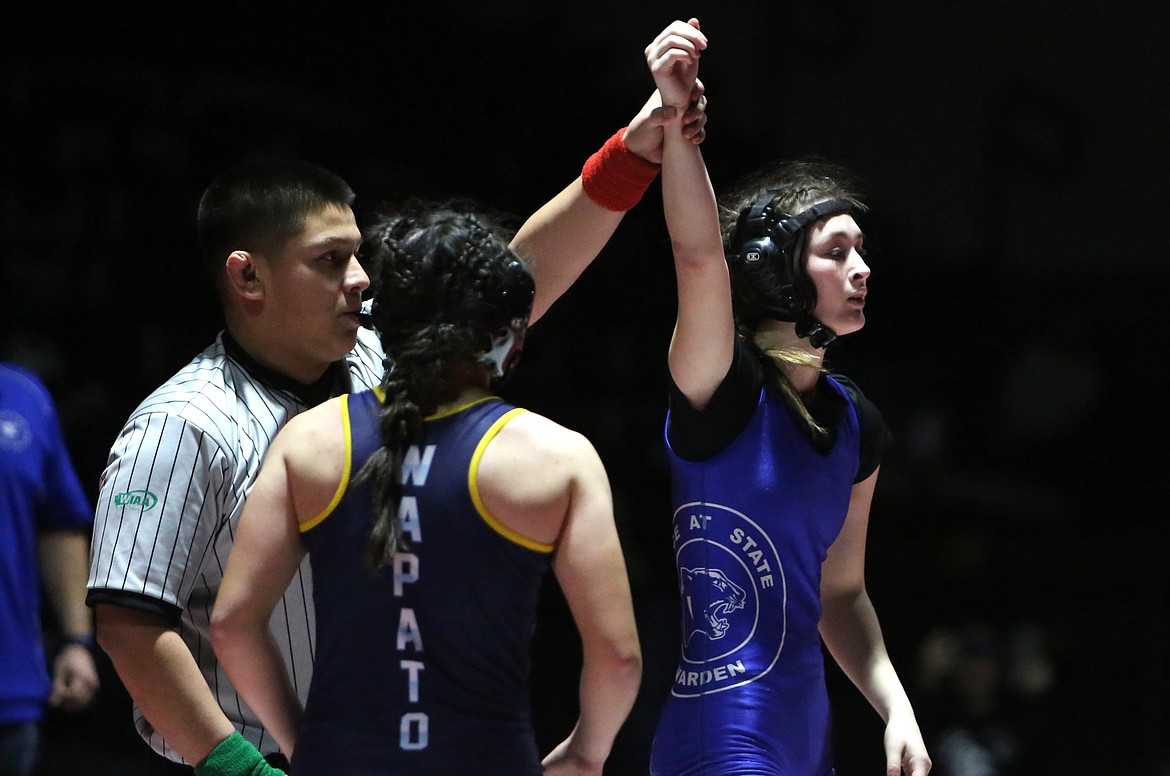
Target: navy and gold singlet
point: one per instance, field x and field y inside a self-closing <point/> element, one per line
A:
<point x="423" y="667"/>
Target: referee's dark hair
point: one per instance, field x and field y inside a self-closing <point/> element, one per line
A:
<point x="258" y="205"/>
<point x="441" y="280"/>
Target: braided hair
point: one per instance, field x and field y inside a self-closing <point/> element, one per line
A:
<point x="440" y="278"/>
<point x="791" y="188"/>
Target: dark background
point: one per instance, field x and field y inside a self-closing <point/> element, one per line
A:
<point x="1014" y="155"/>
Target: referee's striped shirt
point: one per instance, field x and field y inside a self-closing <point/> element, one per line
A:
<point x="171" y="497"/>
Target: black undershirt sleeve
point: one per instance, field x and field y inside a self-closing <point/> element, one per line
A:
<point x="696" y="435"/>
<point x="875" y="437"/>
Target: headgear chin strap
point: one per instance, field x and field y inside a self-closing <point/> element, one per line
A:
<point x="366" y="314"/>
<point x="506" y="348"/>
<point x="819" y="335"/>
<point x="765" y="259"/>
<point x="513" y="306"/>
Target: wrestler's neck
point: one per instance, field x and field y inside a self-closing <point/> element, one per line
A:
<point x="476" y="386"/>
<point x="781" y="335"/>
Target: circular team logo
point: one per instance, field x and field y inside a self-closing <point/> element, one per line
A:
<point x="15" y="434"/>
<point x="727" y="566"/>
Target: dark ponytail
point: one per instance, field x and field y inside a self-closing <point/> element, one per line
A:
<point x="434" y="276"/>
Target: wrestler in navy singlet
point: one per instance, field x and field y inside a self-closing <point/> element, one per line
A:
<point x="443" y="638"/>
<point x="752" y="525"/>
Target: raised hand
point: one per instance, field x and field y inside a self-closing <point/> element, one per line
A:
<point x="673" y="58"/>
<point x="644" y="134"/>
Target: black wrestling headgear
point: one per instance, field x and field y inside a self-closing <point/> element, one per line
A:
<point x="509" y="322"/>
<point x="767" y="269"/>
<point x="462" y="273"/>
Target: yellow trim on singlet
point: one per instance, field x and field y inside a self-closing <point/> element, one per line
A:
<point x="473" y="469"/>
<point x="345" y="469"/>
<point x="460" y="408"/>
<point x="381" y="394"/>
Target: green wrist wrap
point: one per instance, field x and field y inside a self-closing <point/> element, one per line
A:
<point x="235" y="756"/>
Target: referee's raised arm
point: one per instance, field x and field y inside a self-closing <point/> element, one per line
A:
<point x="279" y="241"/>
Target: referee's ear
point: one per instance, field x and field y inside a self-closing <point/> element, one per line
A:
<point x="242" y="276"/>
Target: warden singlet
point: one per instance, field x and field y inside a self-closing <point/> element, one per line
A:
<point x="423" y="667"/>
<point x="752" y="526"/>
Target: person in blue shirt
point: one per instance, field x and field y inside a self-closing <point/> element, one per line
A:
<point x="773" y="462"/>
<point x="45" y="519"/>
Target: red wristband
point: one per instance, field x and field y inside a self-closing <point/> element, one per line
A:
<point x="615" y="177"/>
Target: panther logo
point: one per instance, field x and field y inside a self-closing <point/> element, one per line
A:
<point x="732" y="594"/>
<point x="722" y="597"/>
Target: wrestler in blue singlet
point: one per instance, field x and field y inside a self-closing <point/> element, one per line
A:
<point x="752" y="524"/>
<point x="443" y="637"/>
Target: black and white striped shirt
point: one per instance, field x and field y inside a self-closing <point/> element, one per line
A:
<point x="170" y="500"/>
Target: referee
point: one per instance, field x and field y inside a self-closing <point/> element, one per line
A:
<point x="279" y="239"/>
